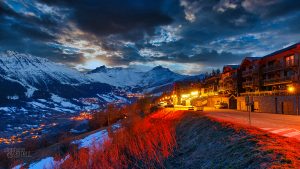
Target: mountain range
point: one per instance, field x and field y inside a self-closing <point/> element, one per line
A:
<point x="26" y="79"/>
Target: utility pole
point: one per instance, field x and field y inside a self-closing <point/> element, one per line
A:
<point x="247" y="100"/>
<point x="298" y="80"/>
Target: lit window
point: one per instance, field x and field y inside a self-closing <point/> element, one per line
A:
<point x="290" y="60"/>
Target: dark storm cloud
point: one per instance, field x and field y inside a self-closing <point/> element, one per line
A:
<point x="122" y="32"/>
<point x="208" y="57"/>
<point x="31" y="33"/>
<point x="107" y="17"/>
<point x="272" y="8"/>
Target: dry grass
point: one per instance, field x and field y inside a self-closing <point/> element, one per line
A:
<point x="209" y="143"/>
<point x="183" y="139"/>
<point x="142" y="143"/>
<point x="283" y="152"/>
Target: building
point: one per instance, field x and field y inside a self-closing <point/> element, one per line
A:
<point x="280" y="69"/>
<point x="250" y="74"/>
<point x="263" y="84"/>
<point x="184" y="92"/>
<point x="272" y="82"/>
<point x="229" y="80"/>
<point x="273" y="72"/>
<point x="211" y="85"/>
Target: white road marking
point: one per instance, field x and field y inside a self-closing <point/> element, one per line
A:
<point x="267" y="129"/>
<point x="280" y="130"/>
<point x="292" y="134"/>
<point x="286" y="132"/>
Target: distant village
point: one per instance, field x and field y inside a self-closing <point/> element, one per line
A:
<point x="260" y="84"/>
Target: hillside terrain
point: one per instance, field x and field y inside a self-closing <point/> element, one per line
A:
<point x="182" y="139"/>
<point x="40" y="97"/>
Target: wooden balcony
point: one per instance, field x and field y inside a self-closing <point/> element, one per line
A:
<point x="278" y="67"/>
<point x="247" y="84"/>
<point x="272" y="68"/>
<point x="250" y="72"/>
<point x="275" y="81"/>
<point x="266" y="93"/>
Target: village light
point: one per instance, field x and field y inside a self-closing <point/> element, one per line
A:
<point x="185" y="95"/>
<point x="291" y="89"/>
<point x="194" y="93"/>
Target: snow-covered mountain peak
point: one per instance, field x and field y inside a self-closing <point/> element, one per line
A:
<point x="20" y="58"/>
<point x="120" y="77"/>
<point x="129" y="77"/>
<point x="30" y="70"/>
<point x="99" y="69"/>
<point x="160" y="68"/>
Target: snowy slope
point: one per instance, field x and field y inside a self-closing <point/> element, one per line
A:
<point x="33" y="84"/>
<point x="130" y="78"/>
<point x="159" y="76"/>
<point x="35" y="71"/>
<point x="120" y="77"/>
<point x="26" y="76"/>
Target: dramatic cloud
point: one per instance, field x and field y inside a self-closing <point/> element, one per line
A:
<point x="188" y="36"/>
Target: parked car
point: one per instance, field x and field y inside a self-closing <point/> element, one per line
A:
<point x="221" y="105"/>
<point x="169" y="106"/>
<point x="161" y="104"/>
<point x="199" y="108"/>
<point x="191" y="108"/>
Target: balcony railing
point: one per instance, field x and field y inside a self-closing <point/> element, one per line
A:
<point x="273" y="68"/>
<point x="249" y="72"/>
<point x="279" y="66"/>
<point x="266" y="93"/>
<point x="247" y="83"/>
<point x="278" y="80"/>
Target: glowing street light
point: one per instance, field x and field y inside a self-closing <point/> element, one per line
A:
<point x="291" y="89"/>
<point x="194" y="93"/>
<point x="185" y="95"/>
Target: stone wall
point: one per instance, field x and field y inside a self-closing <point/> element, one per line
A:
<point x="270" y="104"/>
<point x="212" y="100"/>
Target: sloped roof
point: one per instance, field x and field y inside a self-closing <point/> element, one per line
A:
<point x="252" y="58"/>
<point x="282" y="50"/>
<point x="232" y="66"/>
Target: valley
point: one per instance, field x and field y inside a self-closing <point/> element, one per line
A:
<point x="40" y="98"/>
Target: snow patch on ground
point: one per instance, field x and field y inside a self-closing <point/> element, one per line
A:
<point x="30" y="91"/>
<point x="47" y="162"/>
<point x="89" y="141"/>
<point x="44" y="163"/>
<point x="98" y="138"/>
<point x="63" y="102"/>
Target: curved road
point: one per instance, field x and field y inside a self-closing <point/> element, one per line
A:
<point x="285" y="125"/>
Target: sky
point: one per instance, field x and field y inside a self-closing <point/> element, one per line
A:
<point x="187" y="36"/>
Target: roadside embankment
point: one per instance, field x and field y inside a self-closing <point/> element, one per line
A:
<point x="185" y="139"/>
<point x="208" y="143"/>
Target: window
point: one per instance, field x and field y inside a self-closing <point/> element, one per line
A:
<point x="290" y="60"/>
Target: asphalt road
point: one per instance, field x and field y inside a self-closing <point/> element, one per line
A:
<point x="285" y="125"/>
